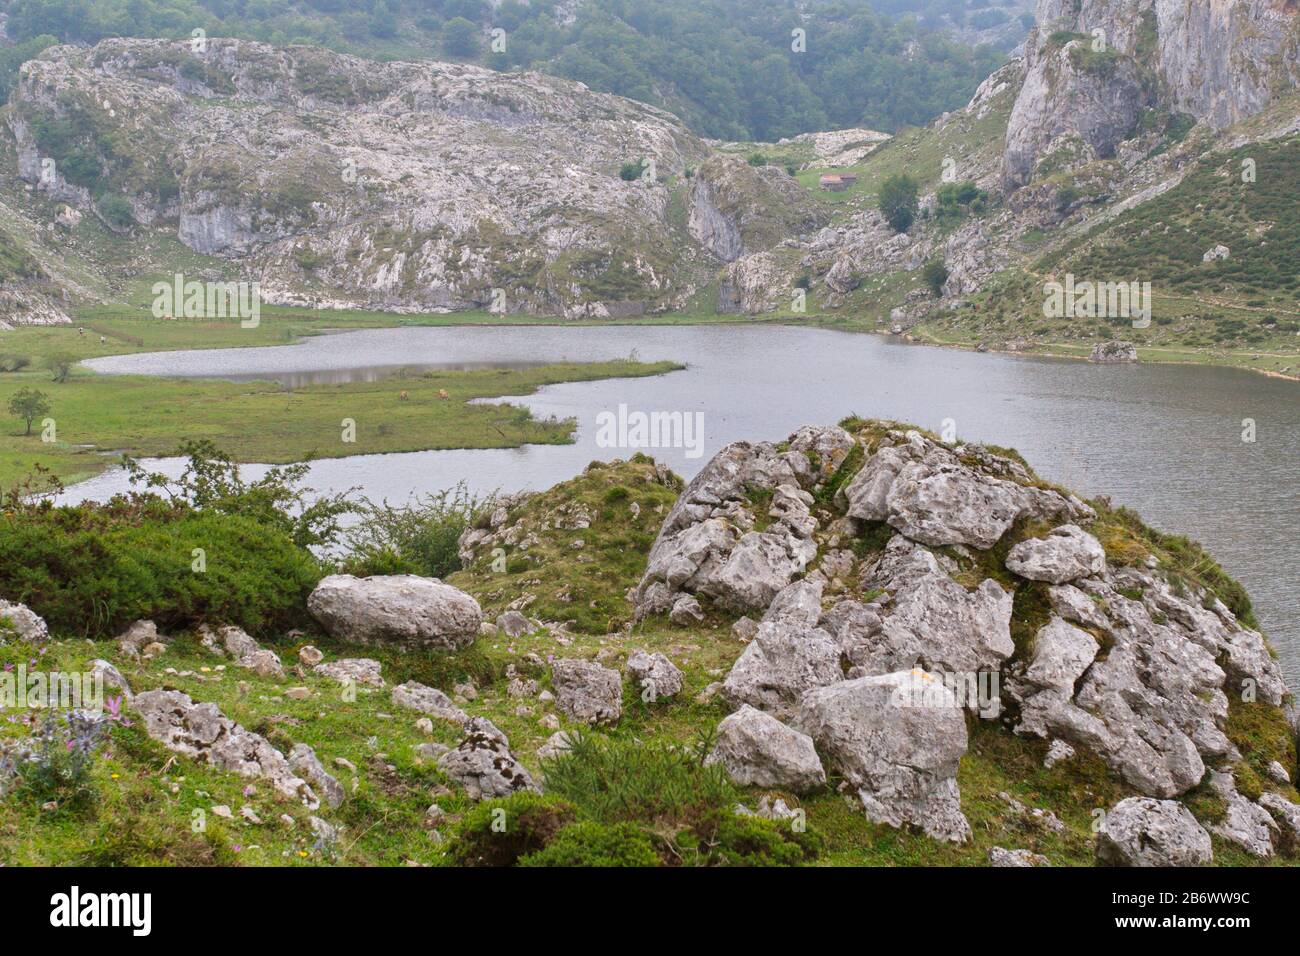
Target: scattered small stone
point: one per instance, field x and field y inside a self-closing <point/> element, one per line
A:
<point x="431" y="751"/>
<point x="513" y="624"/>
<point x="998" y="856"/>
<point x="358" y="670"/>
<point x="1057" y="752"/>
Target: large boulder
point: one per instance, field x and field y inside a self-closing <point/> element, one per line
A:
<point x="402" y="609"/>
<point x="483" y="763"/>
<point x="588" y="692"/>
<point x="1067" y="553"/>
<point x="758" y="750"/>
<point x="898" y="739"/>
<point x="1141" y="831"/>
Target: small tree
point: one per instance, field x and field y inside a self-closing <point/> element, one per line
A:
<point x="60" y="365"/>
<point x="459" y="38"/>
<point x="28" y="405"/>
<point x="935" y="275"/>
<point x="898" y="201"/>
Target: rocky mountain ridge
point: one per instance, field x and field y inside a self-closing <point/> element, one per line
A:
<point x="392" y="186"/>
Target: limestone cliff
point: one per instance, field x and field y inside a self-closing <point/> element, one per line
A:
<point x="1093" y="66"/>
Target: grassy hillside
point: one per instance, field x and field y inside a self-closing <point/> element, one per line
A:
<point x="1164" y="240"/>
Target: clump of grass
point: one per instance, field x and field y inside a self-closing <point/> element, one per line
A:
<point x="615" y="780"/>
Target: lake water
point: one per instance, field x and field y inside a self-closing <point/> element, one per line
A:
<point x="1165" y="440"/>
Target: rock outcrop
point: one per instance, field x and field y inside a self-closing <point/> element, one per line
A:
<point x="710" y="546"/>
<point x="1130" y="662"/>
<point x="1094" y="66"/>
<point x="202" y="732"/>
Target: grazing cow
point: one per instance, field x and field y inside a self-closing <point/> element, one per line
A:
<point x="402" y="396"/>
<point x="442" y="393"/>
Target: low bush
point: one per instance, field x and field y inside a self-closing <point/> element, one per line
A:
<point x="91" y="570"/>
<point x="420" y="538"/>
<point x="737" y="840"/>
<point x="63" y="749"/>
<point x="500" y="832"/>
<point x="596" y="844"/>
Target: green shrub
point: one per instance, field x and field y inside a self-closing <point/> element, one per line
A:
<point x="616" y="495"/>
<point x="499" y="832"/>
<point x="732" y="840"/>
<point x="629" y="172"/>
<point x="116" y="211"/>
<point x="614" y="780"/>
<point x="935" y="274"/>
<point x="898" y="201"/>
<point x="420" y="538"/>
<point x="212" y="482"/>
<point x="955" y="200"/>
<point x="91" y="570"/>
<point x="595" y="844"/>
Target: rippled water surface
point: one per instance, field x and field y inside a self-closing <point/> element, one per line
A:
<point x="1166" y="440"/>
